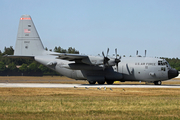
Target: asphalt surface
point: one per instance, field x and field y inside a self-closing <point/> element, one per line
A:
<point x="53" y="85"/>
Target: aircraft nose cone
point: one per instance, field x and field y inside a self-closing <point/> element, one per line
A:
<point x="172" y="73"/>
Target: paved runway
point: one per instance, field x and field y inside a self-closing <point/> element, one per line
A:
<point x="53" y="85"/>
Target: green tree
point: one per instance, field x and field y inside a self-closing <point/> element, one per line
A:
<point x="72" y="50"/>
<point x="12" y="67"/>
<point x="8" y="51"/>
<point x="23" y="68"/>
<point x="2" y="67"/>
<point x="43" y="68"/>
<point x="60" y="50"/>
<point x="0" y="53"/>
<point x="174" y="62"/>
<point x="33" y="67"/>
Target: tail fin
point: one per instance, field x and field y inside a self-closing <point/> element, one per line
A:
<point x="28" y="42"/>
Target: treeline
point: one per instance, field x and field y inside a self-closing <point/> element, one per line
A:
<point x="174" y="63"/>
<point x="19" y="66"/>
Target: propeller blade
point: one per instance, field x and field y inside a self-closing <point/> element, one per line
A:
<point x="106" y="59"/>
<point x="103" y="54"/>
<point x="107" y="52"/>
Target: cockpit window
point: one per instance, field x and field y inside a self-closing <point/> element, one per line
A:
<point x="163" y="69"/>
<point x="162" y="63"/>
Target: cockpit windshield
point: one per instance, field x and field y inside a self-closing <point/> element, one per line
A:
<point x="163" y="63"/>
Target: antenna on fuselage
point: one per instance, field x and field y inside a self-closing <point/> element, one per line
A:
<point x="137" y="53"/>
<point x="145" y="53"/>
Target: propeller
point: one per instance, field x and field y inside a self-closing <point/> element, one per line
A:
<point x="106" y="59"/>
<point x="117" y="60"/>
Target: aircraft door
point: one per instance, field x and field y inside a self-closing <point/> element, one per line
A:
<point x="162" y="72"/>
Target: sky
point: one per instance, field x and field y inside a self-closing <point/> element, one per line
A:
<point x="92" y="26"/>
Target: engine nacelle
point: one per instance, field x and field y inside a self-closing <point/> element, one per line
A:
<point x="97" y="60"/>
<point x="93" y="60"/>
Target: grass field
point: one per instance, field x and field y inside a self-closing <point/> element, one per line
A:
<point x="79" y="103"/>
<point x="87" y="104"/>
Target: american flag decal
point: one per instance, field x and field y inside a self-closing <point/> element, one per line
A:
<point x="25" y="18"/>
<point x="27" y="30"/>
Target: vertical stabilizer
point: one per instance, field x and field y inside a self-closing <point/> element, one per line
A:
<point x="28" y="42"/>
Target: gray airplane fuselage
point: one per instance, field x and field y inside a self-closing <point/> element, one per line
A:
<point x="129" y="69"/>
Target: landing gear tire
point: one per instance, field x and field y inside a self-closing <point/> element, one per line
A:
<point x="101" y="82"/>
<point x="92" y="82"/>
<point x="110" y="82"/>
<point x="157" y="82"/>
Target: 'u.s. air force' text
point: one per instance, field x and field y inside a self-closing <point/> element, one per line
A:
<point x="147" y="64"/>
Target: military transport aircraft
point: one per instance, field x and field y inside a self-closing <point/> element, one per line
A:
<point x="94" y="69"/>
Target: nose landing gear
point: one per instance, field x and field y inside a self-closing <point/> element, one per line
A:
<point x="157" y="82"/>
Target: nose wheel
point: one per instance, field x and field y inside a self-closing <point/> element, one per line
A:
<point x="157" y="82"/>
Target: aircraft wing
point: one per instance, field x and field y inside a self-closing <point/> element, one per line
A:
<point x="70" y="57"/>
<point x="90" y="60"/>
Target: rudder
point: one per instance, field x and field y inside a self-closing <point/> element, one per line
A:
<point x="28" y="42"/>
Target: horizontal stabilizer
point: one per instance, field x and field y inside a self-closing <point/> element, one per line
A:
<point x="18" y="56"/>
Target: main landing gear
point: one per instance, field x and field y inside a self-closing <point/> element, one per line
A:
<point x="110" y="82"/>
<point x="100" y="82"/>
<point x="157" y="82"/>
<point x="92" y="82"/>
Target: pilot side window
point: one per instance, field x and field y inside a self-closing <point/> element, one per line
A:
<point x="163" y="69"/>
